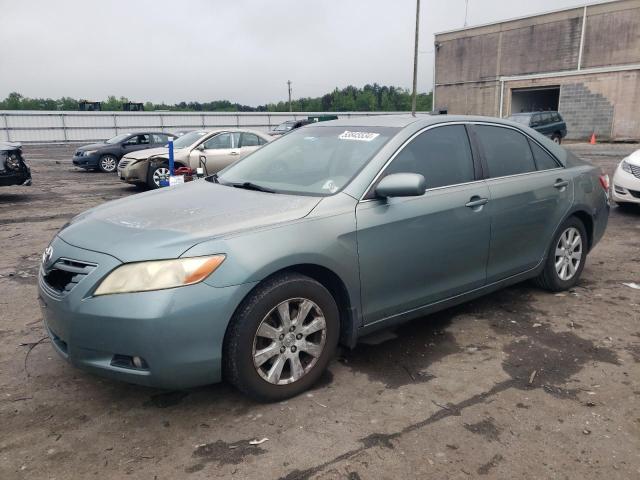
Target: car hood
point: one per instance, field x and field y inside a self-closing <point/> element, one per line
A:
<point x="165" y="223"/>
<point x="634" y="158"/>
<point x="142" y="154"/>
<point x="92" y="146"/>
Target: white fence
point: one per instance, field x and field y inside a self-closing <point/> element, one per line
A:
<point x="58" y="127"/>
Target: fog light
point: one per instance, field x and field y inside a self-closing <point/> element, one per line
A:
<point x="619" y="189"/>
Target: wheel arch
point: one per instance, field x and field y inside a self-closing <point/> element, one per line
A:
<point x="587" y="220"/>
<point x="338" y="289"/>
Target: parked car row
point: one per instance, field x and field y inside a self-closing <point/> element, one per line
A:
<point x="211" y="149"/>
<point x="335" y="230"/>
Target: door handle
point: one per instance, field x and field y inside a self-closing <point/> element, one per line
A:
<point x="560" y="183"/>
<point x="234" y="153"/>
<point x="476" y="201"/>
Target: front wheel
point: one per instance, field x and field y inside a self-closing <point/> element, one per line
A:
<point x="566" y="257"/>
<point x="108" y="163"/>
<point x="157" y="173"/>
<point x="282" y="338"/>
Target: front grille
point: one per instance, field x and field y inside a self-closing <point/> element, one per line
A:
<point x="635" y="193"/>
<point x="65" y="274"/>
<point x="635" y="170"/>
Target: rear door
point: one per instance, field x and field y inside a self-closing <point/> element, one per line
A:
<point x="530" y="194"/>
<point x="248" y="143"/>
<point x="414" y="251"/>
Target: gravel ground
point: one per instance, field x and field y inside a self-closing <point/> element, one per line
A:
<point x="519" y="384"/>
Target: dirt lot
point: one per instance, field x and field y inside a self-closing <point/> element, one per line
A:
<point x="520" y="384"/>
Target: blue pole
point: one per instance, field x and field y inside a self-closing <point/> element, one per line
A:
<point x="171" y="157"/>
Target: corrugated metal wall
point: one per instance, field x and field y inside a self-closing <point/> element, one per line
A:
<point x="49" y="126"/>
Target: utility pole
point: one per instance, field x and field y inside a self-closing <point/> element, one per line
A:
<point x="466" y="11"/>
<point x="289" y="85"/>
<point x="415" y="62"/>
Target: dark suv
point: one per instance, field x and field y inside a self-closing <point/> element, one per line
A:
<point x="106" y="155"/>
<point x="550" y="124"/>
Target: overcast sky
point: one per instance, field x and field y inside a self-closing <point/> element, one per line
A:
<point x="240" y="50"/>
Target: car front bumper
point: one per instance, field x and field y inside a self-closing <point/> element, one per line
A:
<point x="178" y="332"/>
<point x="134" y="173"/>
<point x="625" y="187"/>
<point x="90" y="161"/>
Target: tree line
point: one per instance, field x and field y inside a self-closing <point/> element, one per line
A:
<point x="369" y="98"/>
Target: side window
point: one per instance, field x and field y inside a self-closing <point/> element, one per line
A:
<point x="261" y="141"/>
<point x="535" y="120"/>
<point x="223" y="140"/>
<point x="546" y="118"/>
<point x="442" y="155"/>
<point x="159" y="138"/>
<point x="506" y="151"/>
<point x="544" y="161"/>
<point x="132" y="141"/>
<point x="249" y="140"/>
<point x="556" y="117"/>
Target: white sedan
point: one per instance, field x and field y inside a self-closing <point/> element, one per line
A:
<point x="626" y="181"/>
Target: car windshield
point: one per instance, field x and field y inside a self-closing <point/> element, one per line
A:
<point x="315" y="160"/>
<point x="118" y="138"/>
<point x="285" y="127"/>
<point x="523" y="119"/>
<point x="188" y="139"/>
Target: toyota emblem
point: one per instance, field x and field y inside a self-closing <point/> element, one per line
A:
<point x="46" y="256"/>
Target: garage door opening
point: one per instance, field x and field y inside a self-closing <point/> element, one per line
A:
<point x="535" y="99"/>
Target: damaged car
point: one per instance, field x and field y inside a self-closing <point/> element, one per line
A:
<point x="212" y="150"/>
<point x="332" y="232"/>
<point x="13" y="169"/>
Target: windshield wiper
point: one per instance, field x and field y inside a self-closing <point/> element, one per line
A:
<point x="253" y="186"/>
<point x="212" y="178"/>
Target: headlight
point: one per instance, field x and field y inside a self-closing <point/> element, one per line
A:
<point x="626" y="167"/>
<point x="158" y="275"/>
<point x="88" y="152"/>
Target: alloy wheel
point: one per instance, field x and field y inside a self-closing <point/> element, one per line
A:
<point x="568" y="253"/>
<point x="108" y="164"/>
<point x="161" y="173"/>
<point x="289" y="341"/>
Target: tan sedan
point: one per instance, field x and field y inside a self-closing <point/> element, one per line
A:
<point x="211" y="149"/>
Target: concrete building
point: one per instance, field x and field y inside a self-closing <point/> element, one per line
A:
<point x="583" y="62"/>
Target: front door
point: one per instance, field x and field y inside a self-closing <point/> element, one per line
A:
<point x="136" y="142"/>
<point x="415" y="251"/>
<point x="219" y="151"/>
<point x="530" y="194"/>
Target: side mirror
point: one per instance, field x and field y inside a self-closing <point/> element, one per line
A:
<point x="200" y="147"/>
<point x="401" y="185"/>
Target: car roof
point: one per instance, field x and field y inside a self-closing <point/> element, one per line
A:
<point x="404" y="120"/>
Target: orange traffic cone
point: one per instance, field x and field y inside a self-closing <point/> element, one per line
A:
<point x="593" y="139"/>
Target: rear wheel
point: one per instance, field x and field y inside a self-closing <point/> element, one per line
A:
<point x="108" y="163"/>
<point x="282" y="338"/>
<point x="557" y="138"/>
<point x="566" y="257"/>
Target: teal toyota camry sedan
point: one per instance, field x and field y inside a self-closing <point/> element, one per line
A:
<point x="335" y="230"/>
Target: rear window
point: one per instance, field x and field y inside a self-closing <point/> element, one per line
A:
<point x="507" y="151"/>
<point x="544" y="161"/>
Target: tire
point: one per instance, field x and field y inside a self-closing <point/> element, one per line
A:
<point x="155" y="173"/>
<point x="108" y="163"/>
<point x="551" y="278"/>
<point x="257" y="326"/>
<point x="556" y="138"/>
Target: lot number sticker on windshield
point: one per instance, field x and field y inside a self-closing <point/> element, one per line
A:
<point x="359" y="136"/>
